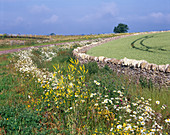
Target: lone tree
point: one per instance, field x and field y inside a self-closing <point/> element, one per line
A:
<point x="52" y="34"/>
<point x="121" y="28"/>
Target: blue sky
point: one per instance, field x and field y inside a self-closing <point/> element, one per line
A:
<point x="82" y="16"/>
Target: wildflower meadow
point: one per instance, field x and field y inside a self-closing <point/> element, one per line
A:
<point x="47" y="91"/>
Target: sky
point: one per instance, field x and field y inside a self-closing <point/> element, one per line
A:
<point x="74" y="17"/>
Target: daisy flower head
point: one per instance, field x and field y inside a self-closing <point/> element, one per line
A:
<point x="111" y="129"/>
<point x="142" y="98"/>
<point x="167" y="120"/>
<point x="119" y="126"/>
<point x="96" y="104"/>
<point x="143" y="123"/>
<point x="141" y="118"/>
<point x="149" y="99"/>
<point x="97" y="83"/>
<point x="157" y="102"/>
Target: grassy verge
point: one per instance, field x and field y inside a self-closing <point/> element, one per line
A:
<point x="69" y="98"/>
<point x="153" y="48"/>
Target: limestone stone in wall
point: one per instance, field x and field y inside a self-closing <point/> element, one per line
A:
<point x="138" y="64"/>
<point x="75" y="53"/>
<point x="143" y="65"/>
<point x="148" y="66"/>
<point x="107" y="60"/>
<point x="154" y="67"/>
<point x="96" y="59"/>
<point x="82" y="55"/>
<point x="87" y="56"/>
<point x="134" y="63"/>
<point x="75" y="50"/>
<point x="91" y="58"/>
<point x="101" y="58"/>
<point x="116" y="62"/>
<point x="125" y="62"/>
<point x="79" y="55"/>
<point x="87" y="45"/>
<point x="83" y="47"/>
<point x="78" y="48"/>
<point x="167" y="68"/>
<point x="94" y="43"/>
<point x="120" y="62"/>
<point x="113" y="60"/>
<point x="162" y="68"/>
<point x="83" y="51"/>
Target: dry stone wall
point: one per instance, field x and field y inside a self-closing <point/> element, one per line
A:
<point x="159" y="74"/>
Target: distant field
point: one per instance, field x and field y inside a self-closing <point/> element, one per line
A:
<point x="8" y="42"/>
<point x="154" y="48"/>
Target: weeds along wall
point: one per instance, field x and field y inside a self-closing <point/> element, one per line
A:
<point x="136" y="69"/>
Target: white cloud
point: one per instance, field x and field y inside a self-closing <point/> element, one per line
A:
<point x="52" y="19"/>
<point x="154" y="17"/>
<point x="161" y="17"/>
<point x="106" y="9"/>
<point x="39" y="9"/>
<point x="157" y="15"/>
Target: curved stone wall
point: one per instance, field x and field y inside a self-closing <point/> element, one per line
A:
<point x="159" y="74"/>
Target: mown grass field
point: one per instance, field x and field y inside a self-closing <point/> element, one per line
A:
<point x="154" y="48"/>
<point x="47" y="91"/>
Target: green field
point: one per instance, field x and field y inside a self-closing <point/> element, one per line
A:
<point x="154" y="48"/>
